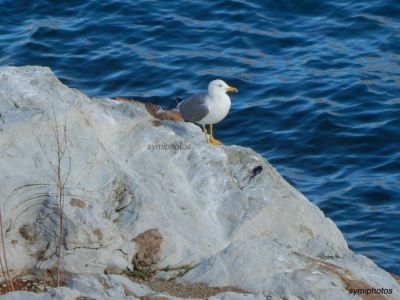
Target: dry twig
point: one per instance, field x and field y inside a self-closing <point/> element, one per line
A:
<point x="61" y="140"/>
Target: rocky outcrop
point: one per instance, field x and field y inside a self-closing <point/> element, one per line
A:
<point x="223" y="211"/>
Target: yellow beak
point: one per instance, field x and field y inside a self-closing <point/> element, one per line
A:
<point x="231" y="89"/>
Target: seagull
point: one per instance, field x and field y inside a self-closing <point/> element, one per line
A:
<point x="208" y="108"/>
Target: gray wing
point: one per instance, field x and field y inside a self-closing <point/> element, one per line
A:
<point x="194" y="108"/>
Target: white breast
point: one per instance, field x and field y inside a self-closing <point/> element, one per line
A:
<point x="219" y="108"/>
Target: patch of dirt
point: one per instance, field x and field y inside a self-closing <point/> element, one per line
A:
<point x="35" y="286"/>
<point x="75" y="202"/>
<point x="149" y="243"/>
<point x="98" y="233"/>
<point x="194" y="290"/>
<point x="153" y="298"/>
<point x="28" y="233"/>
<point x="161" y="114"/>
<point x="171" y="287"/>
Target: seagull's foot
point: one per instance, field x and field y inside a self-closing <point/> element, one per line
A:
<point x="215" y="142"/>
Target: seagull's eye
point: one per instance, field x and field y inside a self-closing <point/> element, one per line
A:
<point x="220" y="85"/>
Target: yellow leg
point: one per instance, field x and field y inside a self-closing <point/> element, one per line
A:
<point x="212" y="139"/>
<point x="205" y="133"/>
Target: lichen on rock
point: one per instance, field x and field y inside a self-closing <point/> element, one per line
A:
<point x="149" y="246"/>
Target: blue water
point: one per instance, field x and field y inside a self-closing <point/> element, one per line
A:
<point x="319" y="85"/>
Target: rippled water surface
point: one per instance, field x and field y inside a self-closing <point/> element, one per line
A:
<point x="318" y="80"/>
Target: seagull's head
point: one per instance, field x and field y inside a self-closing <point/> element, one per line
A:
<point x="219" y="86"/>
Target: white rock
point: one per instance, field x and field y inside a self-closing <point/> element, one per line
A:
<point x="266" y="266"/>
<point x="163" y="275"/>
<point x="52" y="294"/>
<point x="201" y="199"/>
<point x="237" y="296"/>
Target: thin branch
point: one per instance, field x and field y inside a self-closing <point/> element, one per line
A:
<point x="61" y="149"/>
<point x="47" y="157"/>
<point x="69" y="168"/>
<point x="4" y="275"/>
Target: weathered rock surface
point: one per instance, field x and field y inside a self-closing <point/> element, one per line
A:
<point x="130" y="173"/>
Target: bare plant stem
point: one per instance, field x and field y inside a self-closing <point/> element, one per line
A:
<point x="61" y="232"/>
<point x="9" y="279"/>
<point x="61" y="149"/>
<point x="4" y="275"/>
<point x="59" y="199"/>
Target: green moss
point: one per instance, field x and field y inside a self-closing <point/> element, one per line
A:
<point x="182" y="270"/>
<point x="140" y="275"/>
<point x="146" y="275"/>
